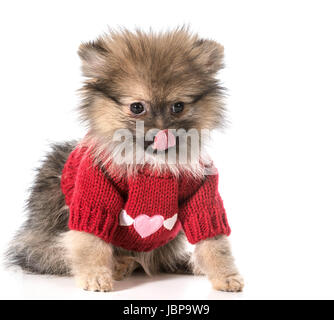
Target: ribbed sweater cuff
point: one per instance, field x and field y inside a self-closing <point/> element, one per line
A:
<point x="207" y="223"/>
<point x="98" y="221"/>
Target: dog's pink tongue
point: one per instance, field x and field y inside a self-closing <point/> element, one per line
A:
<point x="164" y="140"/>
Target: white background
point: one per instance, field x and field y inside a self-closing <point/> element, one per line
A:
<point x="276" y="157"/>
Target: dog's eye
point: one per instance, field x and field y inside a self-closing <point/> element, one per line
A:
<point x="137" y="108"/>
<point x="178" y="107"/>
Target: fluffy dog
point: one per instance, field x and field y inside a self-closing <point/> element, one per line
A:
<point x="166" y="81"/>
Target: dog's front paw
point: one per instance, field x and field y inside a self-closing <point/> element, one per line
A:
<point x="95" y="280"/>
<point x="232" y="283"/>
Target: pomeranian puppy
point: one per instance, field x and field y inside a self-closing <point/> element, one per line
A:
<point x="139" y="185"/>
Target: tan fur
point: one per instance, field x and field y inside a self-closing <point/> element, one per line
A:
<point x="213" y="257"/>
<point x="90" y="259"/>
<point x="123" y="267"/>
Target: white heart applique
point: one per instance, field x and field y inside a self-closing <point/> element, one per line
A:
<point x="125" y="219"/>
<point x="169" y="223"/>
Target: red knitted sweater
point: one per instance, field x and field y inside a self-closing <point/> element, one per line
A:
<point x="141" y="212"/>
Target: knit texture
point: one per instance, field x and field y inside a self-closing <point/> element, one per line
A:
<point x="141" y="212"/>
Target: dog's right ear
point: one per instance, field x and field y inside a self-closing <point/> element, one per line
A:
<point x="93" y="56"/>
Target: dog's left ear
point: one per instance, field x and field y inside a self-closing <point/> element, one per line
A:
<point x="209" y="54"/>
<point x="93" y="56"/>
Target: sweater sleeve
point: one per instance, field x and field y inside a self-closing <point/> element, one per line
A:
<point x="95" y="202"/>
<point x="202" y="213"/>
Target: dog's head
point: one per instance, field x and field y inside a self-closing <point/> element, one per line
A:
<point x="166" y="80"/>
